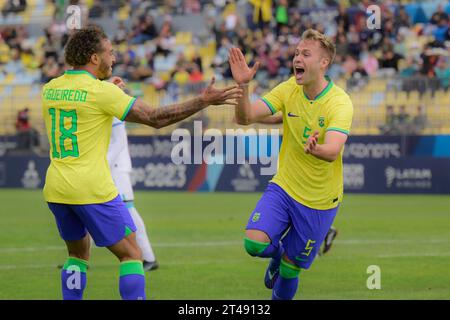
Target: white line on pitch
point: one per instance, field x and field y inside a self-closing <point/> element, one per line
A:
<point x="226" y="261"/>
<point x="231" y="243"/>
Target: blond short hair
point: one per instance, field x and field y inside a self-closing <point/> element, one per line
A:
<point x="324" y="41"/>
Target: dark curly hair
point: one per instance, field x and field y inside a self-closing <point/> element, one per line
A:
<point x="82" y="44"/>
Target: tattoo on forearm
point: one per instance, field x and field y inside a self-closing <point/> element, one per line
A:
<point x="167" y="115"/>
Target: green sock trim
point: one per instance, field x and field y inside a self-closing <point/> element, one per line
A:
<point x="288" y="270"/>
<point x="80" y="263"/>
<point x="128" y="231"/>
<point x="131" y="267"/>
<point x="254" y="247"/>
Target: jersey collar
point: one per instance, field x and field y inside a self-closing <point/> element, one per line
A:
<point x="324" y="91"/>
<point x="80" y="72"/>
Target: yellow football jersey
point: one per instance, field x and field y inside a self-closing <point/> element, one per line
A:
<point x="78" y="111"/>
<point x="313" y="182"/>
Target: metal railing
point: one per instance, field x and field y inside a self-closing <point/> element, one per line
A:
<point x="370" y="100"/>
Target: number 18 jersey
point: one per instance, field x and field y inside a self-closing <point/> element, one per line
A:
<point x="78" y="111"/>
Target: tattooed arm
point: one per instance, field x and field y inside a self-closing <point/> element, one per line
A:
<point x="163" y="116"/>
<point x="160" y="117"/>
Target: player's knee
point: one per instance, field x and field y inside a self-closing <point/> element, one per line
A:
<point x="131" y="254"/>
<point x="253" y="247"/>
<point x="80" y="255"/>
<point x="288" y="270"/>
<point x="257" y="235"/>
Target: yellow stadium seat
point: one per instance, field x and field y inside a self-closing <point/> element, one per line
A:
<point x="189" y="51"/>
<point x="413" y="98"/>
<point x="124" y="13"/>
<point x="183" y="38"/>
<point x="9" y="78"/>
<point x="165" y="76"/>
<point x="49" y="10"/>
<point x="209" y="50"/>
<point x="21" y="91"/>
<point x="208" y="74"/>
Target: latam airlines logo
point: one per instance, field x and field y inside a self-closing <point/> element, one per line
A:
<point x="408" y="178"/>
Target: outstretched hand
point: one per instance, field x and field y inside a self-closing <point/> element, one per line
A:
<point x="215" y="96"/>
<point x="242" y="73"/>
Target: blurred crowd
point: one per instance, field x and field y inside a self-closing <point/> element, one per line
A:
<point x="265" y="30"/>
<point x="403" y="123"/>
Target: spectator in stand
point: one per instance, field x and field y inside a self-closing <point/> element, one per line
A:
<point x="14" y="6"/>
<point x="166" y="40"/>
<point x="269" y="59"/>
<point x="51" y="47"/>
<point x="145" y="30"/>
<point x="342" y="19"/>
<point x="197" y="59"/>
<point x="438" y="15"/>
<point x="281" y="14"/>
<point x="195" y="83"/>
<point x="219" y="30"/>
<point x="390" y="126"/>
<point x="276" y="21"/>
<point x="402" y="20"/>
<point x="22" y="120"/>
<point x="262" y="13"/>
<point x="442" y="71"/>
<point x="429" y="60"/>
<point x="231" y="18"/>
<point x="50" y="69"/>
<point x="127" y="66"/>
<point x="341" y="45"/>
<point x="191" y="6"/>
<point x="144" y="68"/>
<point x="222" y="52"/>
<point x="399" y="46"/>
<point x="354" y="43"/>
<point x="285" y="64"/>
<point x="336" y="71"/>
<point x="368" y="60"/>
<point x="122" y="34"/>
<point x="97" y="10"/>
<point x="410" y="68"/>
<point x="359" y="77"/>
<point x="14" y="65"/>
<point x="390" y="59"/>
<point x="349" y="65"/>
<point x="195" y="75"/>
<point x="180" y="76"/>
<point x="440" y="32"/>
<point x="388" y="30"/>
<point x="26" y="135"/>
<point x="420" y="121"/>
<point x="360" y="72"/>
<point x="403" y="118"/>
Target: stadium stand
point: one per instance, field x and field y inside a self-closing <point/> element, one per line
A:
<point x="168" y="50"/>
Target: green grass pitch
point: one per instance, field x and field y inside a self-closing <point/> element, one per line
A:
<point x="197" y="238"/>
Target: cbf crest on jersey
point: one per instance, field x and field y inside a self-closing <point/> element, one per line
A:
<point x="256" y="217"/>
<point x="321" y="121"/>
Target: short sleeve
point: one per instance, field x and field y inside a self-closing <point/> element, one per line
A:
<point x="114" y="101"/>
<point x="341" y="116"/>
<point x="275" y="98"/>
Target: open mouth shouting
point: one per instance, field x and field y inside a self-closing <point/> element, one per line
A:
<point x="299" y="72"/>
